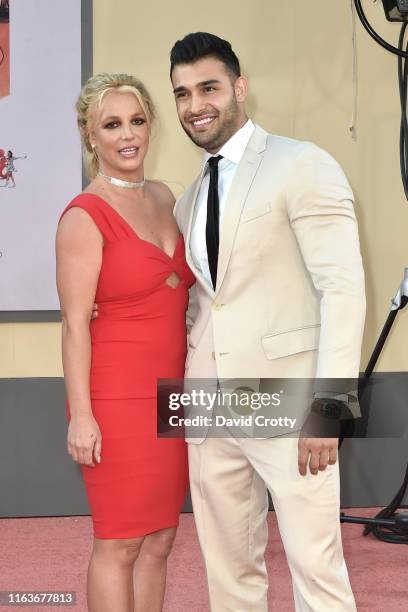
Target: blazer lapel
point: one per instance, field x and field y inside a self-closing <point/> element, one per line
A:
<point x="241" y="184"/>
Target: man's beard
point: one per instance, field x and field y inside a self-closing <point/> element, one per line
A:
<point x="214" y="140"/>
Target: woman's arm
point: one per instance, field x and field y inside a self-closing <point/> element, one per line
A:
<point x="79" y="256"/>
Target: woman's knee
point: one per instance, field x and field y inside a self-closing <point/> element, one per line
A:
<point x="157" y="546"/>
<point x="122" y="551"/>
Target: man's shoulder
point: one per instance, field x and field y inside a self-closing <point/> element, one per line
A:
<point x="294" y="148"/>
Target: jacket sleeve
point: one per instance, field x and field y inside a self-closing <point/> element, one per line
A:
<point x="321" y="213"/>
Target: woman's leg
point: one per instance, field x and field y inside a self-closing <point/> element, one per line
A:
<point x="150" y="570"/>
<point x="110" y="574"/>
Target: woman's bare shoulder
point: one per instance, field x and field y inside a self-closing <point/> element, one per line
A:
<point x="162" y="193"/>
<point x="76" y="226"/>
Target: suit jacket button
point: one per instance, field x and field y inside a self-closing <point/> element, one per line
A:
<point x="213" y="355"/>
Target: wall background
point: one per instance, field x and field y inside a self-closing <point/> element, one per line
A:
<point x="299" y="57"/>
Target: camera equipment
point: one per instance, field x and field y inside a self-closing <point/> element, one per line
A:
<point x="396" y="10"/>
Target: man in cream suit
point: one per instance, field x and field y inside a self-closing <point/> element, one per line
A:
<point x="272" y="238"/>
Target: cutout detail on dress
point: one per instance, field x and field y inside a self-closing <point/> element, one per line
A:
<point x="173" y="280"/>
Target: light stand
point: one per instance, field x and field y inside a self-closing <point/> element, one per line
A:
<point x="387" y="525"/>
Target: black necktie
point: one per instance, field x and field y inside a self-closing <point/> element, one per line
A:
<point x="212" y="228"/>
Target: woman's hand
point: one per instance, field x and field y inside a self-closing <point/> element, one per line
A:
<point x="84" y="439"/>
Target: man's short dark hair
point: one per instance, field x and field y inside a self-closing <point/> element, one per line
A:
<point x="202" y="44"/>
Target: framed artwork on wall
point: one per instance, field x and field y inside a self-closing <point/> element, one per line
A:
<point x="43" y="45"/>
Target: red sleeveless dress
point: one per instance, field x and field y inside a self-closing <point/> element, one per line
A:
<point x="138" y="337"/>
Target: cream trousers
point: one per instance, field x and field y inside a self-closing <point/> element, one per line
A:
<point x="229" y="479"/>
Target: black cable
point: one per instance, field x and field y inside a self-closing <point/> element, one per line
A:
<point x="403" y="86"/>
<point x="403" y="81"/>
<point x="374" y="34"/>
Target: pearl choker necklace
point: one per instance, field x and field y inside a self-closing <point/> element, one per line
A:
<point x="120" y="183"/>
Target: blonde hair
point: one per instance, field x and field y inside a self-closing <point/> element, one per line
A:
<point x="90" y="98"/>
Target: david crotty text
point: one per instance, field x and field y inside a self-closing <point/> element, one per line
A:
<point x="258" y="420"/>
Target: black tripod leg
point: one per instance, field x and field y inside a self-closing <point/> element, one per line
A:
<point x="379" y="346"/>
<point x="389" y="510"/>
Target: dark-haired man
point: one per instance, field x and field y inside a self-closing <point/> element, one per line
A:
<point x="271" y="235"/>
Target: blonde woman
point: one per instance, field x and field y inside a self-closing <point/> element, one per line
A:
<point x="118" y="244"/>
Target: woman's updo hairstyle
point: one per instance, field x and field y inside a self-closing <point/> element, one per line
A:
<point x="91" y="97"/>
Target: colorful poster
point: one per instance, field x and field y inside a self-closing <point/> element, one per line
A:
<point x="4" y="47"/>
<point x="40" y="153"/>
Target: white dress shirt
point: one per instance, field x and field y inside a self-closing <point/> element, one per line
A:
<point x="232" y="152"/>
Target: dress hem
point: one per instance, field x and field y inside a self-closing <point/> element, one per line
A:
<point x="138" y="535"/>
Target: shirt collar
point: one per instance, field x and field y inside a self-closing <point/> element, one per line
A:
<point x="234" y="148"/>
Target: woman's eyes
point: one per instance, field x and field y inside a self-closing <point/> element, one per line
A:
<point x="113" y="124"/>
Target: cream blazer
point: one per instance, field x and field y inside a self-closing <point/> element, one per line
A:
<point x="290" y="299"/>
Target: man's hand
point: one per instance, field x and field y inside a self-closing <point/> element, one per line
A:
<point x="318" y="453"/>
<point x="319" y="438"/>
<point x="95" y="313"/>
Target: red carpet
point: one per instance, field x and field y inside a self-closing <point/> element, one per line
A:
<point x="46" y="554"/>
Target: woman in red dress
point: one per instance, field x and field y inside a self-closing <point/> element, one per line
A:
<point x="118" y="245"/>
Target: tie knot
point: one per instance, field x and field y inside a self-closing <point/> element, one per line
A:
<point x="213" y="161"/>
